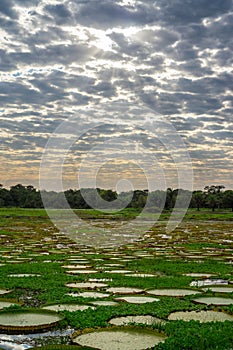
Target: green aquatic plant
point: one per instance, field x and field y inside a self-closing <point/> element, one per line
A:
<point x="102" y="314"/>
<point x="34" y="247"/>
<point x="193" y="335"/>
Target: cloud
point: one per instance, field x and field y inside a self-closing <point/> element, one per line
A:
<point x="108" y="14"/>
<point x="112" y="62"/>
<point x="58" y="10"/>
<point x="186" y="12"/>
<point x="6" y="9"/>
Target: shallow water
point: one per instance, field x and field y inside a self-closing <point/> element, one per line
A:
<point x="22" y="342"/>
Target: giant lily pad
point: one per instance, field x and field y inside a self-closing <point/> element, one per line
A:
<point x="104" y="303"/>
<point x="136" y="299"/>
<point x="173" y="292"/>
<point x="4" y="304"/>
<point x="213" y="301"/>
<point x="124" y="290"/>
<point x="67" y="307"/>
<point x="24" y="275"/>
<point x="122" y="321"/>
<point x="197" y="274"/>
<point x="4" y="291"/>
<point x="118" y="271"/>
<point x="202" y="316"/>
<point x="123" y="339"/>
<point x="89" y="295"/>
<point x="86" y="285"/>
<point x="141" y="275"/>
<point x="79" y="267"/>
<point x="27" y="321"/>
<point x="62" y="347"/>
<point x="83" y="271"/>
<point x="220" y="289"/>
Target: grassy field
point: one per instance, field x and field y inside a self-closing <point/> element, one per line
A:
<point x="32" y="246"/>
<point x="128" y="213"/>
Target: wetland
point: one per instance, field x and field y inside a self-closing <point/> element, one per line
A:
<point x="170" y="291"/>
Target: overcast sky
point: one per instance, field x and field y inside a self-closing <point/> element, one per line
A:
<point x="69" y="64"/>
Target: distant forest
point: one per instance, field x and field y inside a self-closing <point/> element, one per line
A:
<point x="212" y="197"/>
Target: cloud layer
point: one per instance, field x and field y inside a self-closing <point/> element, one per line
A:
<point x="84" y="59"/>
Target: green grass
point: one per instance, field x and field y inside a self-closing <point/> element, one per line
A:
<point x="127" y="213"/>
<point x="21" y="212"/>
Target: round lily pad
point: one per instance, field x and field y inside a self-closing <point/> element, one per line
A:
<point x="113" y="265"/>
<point x="115" y="339"/>
<point x="122" y="321"/>
<point x="220" y="289"/>
<point x="86" y="285"/>
<point x="4" y="304"/>
<point x="142" y="275"/>
<point x="202" y="316"/>
<point x="4" y="291"/>
<point x="24" y="275"/>
<point x="104" y="303"/>
<point x="27" y="321"/>
<point x="118" y="271"/>
<point x="83" y="271"/>
<point x="136" y="299"/>
<point x="89" y="295"/>
<point x="67" y="307"/>
<point x="100" y="279"/>
<point x="196" y="274"/>
<point x="62" y="347"/>
<point x="213" y="301"/>
<point x="124" y="290"/>
<point x="73" y="267"/>
<point x="173" y="292"/>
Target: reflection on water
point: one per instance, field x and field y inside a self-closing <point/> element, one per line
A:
<point x="27" y="341"/>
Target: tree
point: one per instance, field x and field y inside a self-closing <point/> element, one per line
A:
<point x="156" y="199"/>
<point x="228" y="199"/>
<point x="5" y="198"/>
<point x="139" y="198"/>
<point x="214" y="189"/>
<point x="198" y="199"/>
<point x="212" y="201"/>
<point x="18" y="194"/>
<point x="107" y="195"/>
<point x="170" y="198"/>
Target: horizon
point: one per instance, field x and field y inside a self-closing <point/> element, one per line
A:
<point x="106" y="189"/>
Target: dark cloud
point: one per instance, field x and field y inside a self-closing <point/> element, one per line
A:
<point x="102" y="60"/>
<point x="109" y="14"/>
<point x="59" y="12"/>
<point x="221" y="135"/>
<point x="6" y="8"/>
<point x="188" y="11"/>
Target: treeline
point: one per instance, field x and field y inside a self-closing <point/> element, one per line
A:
<point x="29" y="197"/>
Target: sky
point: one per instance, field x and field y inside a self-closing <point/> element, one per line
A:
<point x="119" y="94"/>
